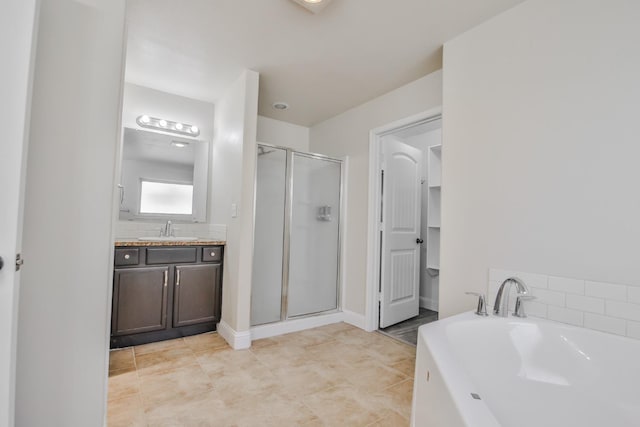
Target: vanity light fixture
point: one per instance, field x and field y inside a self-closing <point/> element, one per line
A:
<point x="163" y="125"/>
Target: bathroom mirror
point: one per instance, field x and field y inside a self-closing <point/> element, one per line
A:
<point x="163" y="177"/>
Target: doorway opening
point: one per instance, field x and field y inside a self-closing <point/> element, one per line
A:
<point x="405" y="246"/>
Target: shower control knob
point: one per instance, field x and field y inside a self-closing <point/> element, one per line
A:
<point x="419" y="241"/>
<point x="127" y="256"/>
<point x="213" y="254"/>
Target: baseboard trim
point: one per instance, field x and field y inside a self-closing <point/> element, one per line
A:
<point x="295" y="325"/>
<point x="237" y="340"/>
<point x="429" y="303"/>
<point x="355" y="319"/>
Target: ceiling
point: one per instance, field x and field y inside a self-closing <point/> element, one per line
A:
<point x="321" y="65"/>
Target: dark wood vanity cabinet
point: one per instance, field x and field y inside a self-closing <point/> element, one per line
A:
<point x="163" y="293"/>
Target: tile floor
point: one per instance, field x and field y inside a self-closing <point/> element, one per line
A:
<point x="335" y="375"/>
<point x="407" y="331"/>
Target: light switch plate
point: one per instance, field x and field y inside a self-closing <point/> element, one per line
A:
<point x="234" y="210"/>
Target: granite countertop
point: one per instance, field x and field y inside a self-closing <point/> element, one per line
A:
<point x="137" y="242"/>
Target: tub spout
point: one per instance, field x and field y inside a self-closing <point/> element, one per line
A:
<point x="501" y="305"/>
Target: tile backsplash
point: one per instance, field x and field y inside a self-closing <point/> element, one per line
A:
<point x="605" y="307"/>
<point x="135" y="229"/>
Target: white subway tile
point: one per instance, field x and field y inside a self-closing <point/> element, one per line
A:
<point x="633" y="329"/>
<point x="623" y="310"/>
<point x="565" y="315"/>
<point x="604" y="323"/>
<point x="533" y="280"/>
<point x="562" y="284"/>
<point x="606" y="291"/>
<point x="535" y="309"/>
<point x="582" y="303"/>
<point x="633" y="293"/>
<point x="549" y="297"/>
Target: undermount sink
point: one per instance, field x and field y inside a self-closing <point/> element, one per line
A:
<point x="168" y="239"/>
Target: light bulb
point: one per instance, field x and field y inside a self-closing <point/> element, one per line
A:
<point x="194" y="129"/>
<point x="162" y="123"/>
<point x="144" y="119"/>
<point x="179" y="126"/>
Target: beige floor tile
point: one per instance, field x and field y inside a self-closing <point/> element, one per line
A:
<point x="164" y="360"/>
<point x="398" y="397"/>
<point x="281" y="356"/>
<point x="336" y="375"/>
<point x="393" y="420"/>
<point x="390" y="351"/>
<point x="122" y="384"/>
<point x="335" y="327"/>
<point x="159" y="346"/>
<point x="126" y="412"/>
<point x="296" y="382"/>
<point x="179" y="383"/>
<point x="341" y="406"/>
<point x="202" y="342"/>
<point x="406" y="366"/>
<point x="336" y="351"/>
<point x="226" y="360"/>
<point x="250" y="384"/>
<point x="269" y="410"/>
<point x="264" y="342"/>
<point x="306" y="338"/>
<point x="122" y="360"/>
<point x="370" y="374"/>
<point x="202" y="410"/>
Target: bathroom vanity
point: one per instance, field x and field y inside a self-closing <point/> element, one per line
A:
<point x="165" y="290"/>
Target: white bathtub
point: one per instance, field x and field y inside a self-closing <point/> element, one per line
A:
<point x="527" y="372"/>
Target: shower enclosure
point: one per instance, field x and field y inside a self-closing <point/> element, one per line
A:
<point x="297" y="235"/>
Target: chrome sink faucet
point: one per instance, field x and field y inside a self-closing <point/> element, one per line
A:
<point x="501" y="305"/>
<point x="167" y="230"/>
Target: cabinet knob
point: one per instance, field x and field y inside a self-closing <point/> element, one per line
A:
<point x="127" y="256"/>
<point x="213" y="254"/>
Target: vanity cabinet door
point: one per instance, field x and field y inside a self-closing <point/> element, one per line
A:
<point x="139" y="300"/>
<point x="196" y="294"/>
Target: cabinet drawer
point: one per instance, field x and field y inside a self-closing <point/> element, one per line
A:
<point x="171" y="255"/>
<point x="127" y="256"/>
<point x="212" y="254"/>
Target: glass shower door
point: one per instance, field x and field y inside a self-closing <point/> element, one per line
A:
<point x="266" y="295"/>
<point x="314" y="235"/>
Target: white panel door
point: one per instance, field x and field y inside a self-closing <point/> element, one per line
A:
<point x="16" y="41"/>
<point x="401" y="198"/>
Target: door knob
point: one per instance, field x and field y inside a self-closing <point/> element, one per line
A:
<point x="419" y="241"/>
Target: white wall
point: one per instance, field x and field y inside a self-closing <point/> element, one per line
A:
<point x="348" y="135"/>
<point x="63" y="329"/>
<point x="541" y="150"/>
<point x="234" y="154"/>
<point x="283" y="134"/>
<point x="17" y="42"/>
